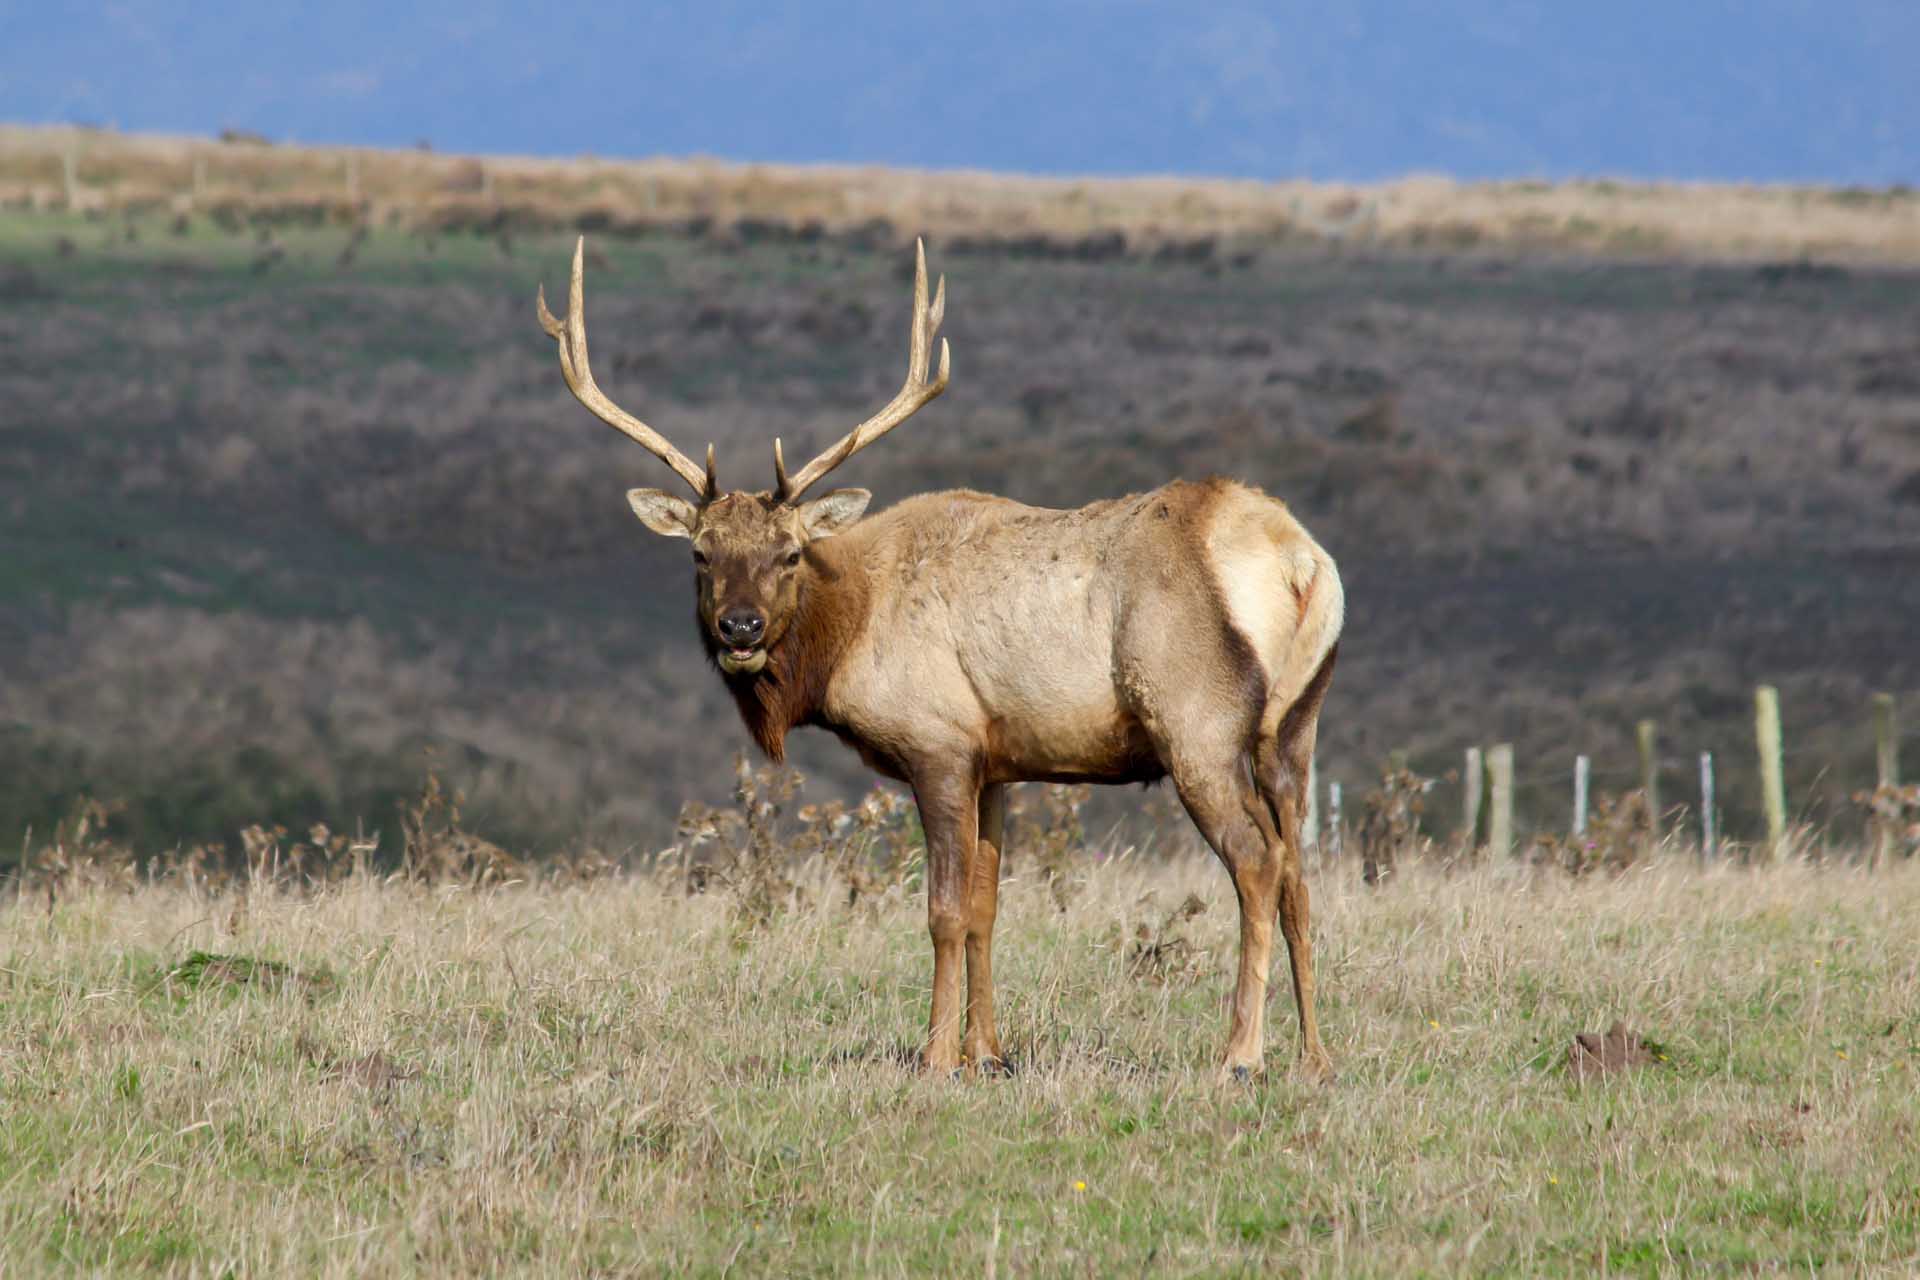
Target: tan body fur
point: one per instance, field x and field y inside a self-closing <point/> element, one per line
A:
<point x="961" y="641"/>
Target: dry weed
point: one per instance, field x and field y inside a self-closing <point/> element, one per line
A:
<point x="1051" y="833"/>
<point x="1619" y="834"/>
<point x="1390" y="831"/>
<point x="748" y="851"/>
<point x="1893" y="819"/>
<point x="1163" y="953"/>
<point x="81" y="855"/>
<point x="435" y="848"/>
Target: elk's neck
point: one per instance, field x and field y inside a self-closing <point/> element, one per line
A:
<point x="791" y="689"/>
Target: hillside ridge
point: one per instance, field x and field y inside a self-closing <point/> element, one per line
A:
<point x="240" y="175"/>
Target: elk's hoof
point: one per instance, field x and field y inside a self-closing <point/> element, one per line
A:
<point x="1242" y="1075"/>
<point x="998" y="1067"/>
<point x="1315" y="1069"/>
<point x="939" y="1068"/>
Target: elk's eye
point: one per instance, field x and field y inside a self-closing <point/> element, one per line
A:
<point x="793" y="558"/>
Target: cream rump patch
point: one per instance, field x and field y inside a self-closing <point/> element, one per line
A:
<point x="1262" y="579"/>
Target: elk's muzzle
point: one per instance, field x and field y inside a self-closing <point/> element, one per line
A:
<point x="740" y="631"/>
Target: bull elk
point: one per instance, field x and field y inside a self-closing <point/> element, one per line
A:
<point x="961" y="642"/>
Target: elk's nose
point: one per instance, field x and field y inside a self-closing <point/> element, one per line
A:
<point x="742" y="627"/>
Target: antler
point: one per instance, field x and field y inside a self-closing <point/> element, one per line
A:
<point x="571" y="336"/>
<point x="914" y="393"/>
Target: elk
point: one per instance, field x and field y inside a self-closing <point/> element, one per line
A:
<point x="960" y="642"/>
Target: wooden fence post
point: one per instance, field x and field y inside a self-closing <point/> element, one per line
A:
<point x="1766" y="722"/>
<point x="1646" y="736"/>
<point x="1472" y="783"/>
<point x="1709" y="825"/>
<point x="1582" y="768"/>
<point x="1500" y="820"/>
<point x="1336" y="833"/>
<point x="1886" y="760"/>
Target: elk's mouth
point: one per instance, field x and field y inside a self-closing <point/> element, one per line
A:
<point x="742" y="661"/>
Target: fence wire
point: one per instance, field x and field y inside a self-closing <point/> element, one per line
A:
<point x="1825" y="799"/>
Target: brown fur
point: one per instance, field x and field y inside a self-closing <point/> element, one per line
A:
<point x="960" y="642"/>
<point x="827" y="613"/>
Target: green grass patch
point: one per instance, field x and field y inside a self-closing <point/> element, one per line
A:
<point x="545" y="1080"/>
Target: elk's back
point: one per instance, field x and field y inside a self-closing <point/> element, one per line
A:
<point x="1063" y="644"/>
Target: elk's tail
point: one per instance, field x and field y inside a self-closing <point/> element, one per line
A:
<point x="1289" y="721"/>
<point x="1300" y="683"/>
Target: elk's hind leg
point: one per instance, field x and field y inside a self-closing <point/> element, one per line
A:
<point x="981" y="1048"/>
<point x="1285" y="804"/>
<point x="1224" y="805"/>
<point x="1281" y="764"/>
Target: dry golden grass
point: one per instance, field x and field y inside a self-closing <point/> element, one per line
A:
<point x="112" y="171"/>
<point x="619" y="1078"/>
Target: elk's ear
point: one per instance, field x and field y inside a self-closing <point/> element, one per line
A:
<point x="830" y="513"/>
<point x="663" y="513"/>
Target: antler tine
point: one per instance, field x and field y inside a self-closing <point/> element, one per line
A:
<point x="571" y="337"/>
<point x="913" y="396"/>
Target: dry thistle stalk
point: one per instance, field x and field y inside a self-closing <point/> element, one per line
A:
<point x="758" y="873"/>
<point x="1619" y="833"/>
<point x="1390" y="826"/>
<point x="1165" y="954"/>
<point x="83" y="855"/>
<point x="1054" y="833"/>
<point x="872" y="847"/>
<point x="435" y="849"/>
<point x="1893" y="819"/>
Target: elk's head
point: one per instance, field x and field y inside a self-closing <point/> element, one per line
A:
<point x="750" y="549"/>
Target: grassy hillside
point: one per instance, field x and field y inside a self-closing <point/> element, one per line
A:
<point x="243" y="177"/>
<point x="288" y="501"/>
<point x="390" y="1078"/>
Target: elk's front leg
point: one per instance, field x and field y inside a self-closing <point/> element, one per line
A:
<point x="949" y="815"/>
<point x="982" y="1047"/>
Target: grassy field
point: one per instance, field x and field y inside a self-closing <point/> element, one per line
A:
<point x="383" y="1077"/>
<point x="290" y="496"/>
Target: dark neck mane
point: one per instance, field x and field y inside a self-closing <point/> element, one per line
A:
<point x="791" y="689"/>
